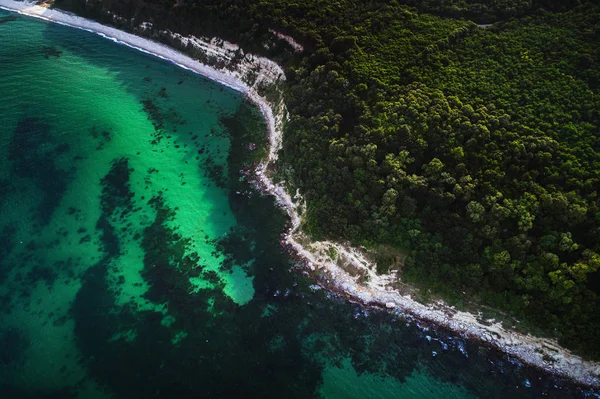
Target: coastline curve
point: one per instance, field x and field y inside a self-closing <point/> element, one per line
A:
<point x="376" y="290"/>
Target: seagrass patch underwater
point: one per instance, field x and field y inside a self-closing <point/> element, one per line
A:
<point x="137" y="262"/>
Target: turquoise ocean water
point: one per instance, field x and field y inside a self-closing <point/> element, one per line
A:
<point x="137" y="262"/>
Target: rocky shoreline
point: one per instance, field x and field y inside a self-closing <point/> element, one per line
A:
<point x="340" y="268"/>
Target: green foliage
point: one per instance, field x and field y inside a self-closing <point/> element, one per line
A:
<point x="386" y="257"/>
<point x="333" y="253"/>
<point x="479" y="151"/>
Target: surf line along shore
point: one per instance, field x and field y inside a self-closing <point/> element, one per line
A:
<point x="333" y="271"/>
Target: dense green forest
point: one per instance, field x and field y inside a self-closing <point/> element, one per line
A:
<point x="473" y="150"/>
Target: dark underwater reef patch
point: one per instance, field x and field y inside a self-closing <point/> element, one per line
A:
<point x="12" y="346"/>
<point x="116" y="203"/>
<point x="236" y="246"/>
<point x="12" y="391"/>
<point x="116" y="192"/>
<point x="24" y="270"/>
<point x="7" y="240"/>
<point x="33" y="151"/>
<point x="101" y="136"/>
<point x="223" y="353"/>
<point x="214" y="171"/>
<point x="168" y="262"/>
<point x="160" y="117"/>
<point x="8" y="18"/>
<point x="6" y="188"/>
<point x="247" y="131"/>
<point x="51" y="51"/>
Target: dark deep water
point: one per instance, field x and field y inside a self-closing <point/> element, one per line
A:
<point x="136" y="262"/>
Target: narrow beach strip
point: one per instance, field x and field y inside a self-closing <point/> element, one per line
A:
<point x="543" y="353"/>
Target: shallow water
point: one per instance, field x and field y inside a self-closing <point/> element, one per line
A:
<point x="137" y="262"/>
